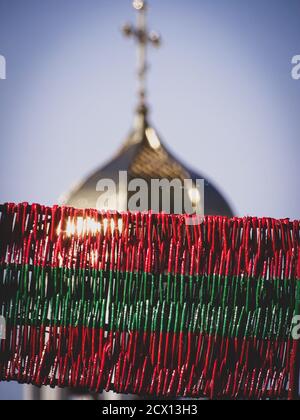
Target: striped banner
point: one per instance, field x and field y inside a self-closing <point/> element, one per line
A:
<point x="149" y="305"/>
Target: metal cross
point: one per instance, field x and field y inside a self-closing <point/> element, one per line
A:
<point x="143" y="37"/>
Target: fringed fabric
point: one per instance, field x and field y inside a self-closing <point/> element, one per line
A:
<point x="149" y="304"/>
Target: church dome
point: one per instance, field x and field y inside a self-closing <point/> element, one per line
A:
<point x="144" y="156"/>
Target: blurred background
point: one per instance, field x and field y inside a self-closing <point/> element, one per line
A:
<point x="220" y="90"/>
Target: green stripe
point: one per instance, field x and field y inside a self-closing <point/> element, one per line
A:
<point x="77" y="297"/>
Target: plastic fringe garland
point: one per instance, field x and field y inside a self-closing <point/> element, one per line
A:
<point x="148" y="305"/>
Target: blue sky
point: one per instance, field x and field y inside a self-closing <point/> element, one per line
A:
<point x="221" y="93"/>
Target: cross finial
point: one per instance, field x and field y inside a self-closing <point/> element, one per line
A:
<point x="143" y="37"/>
